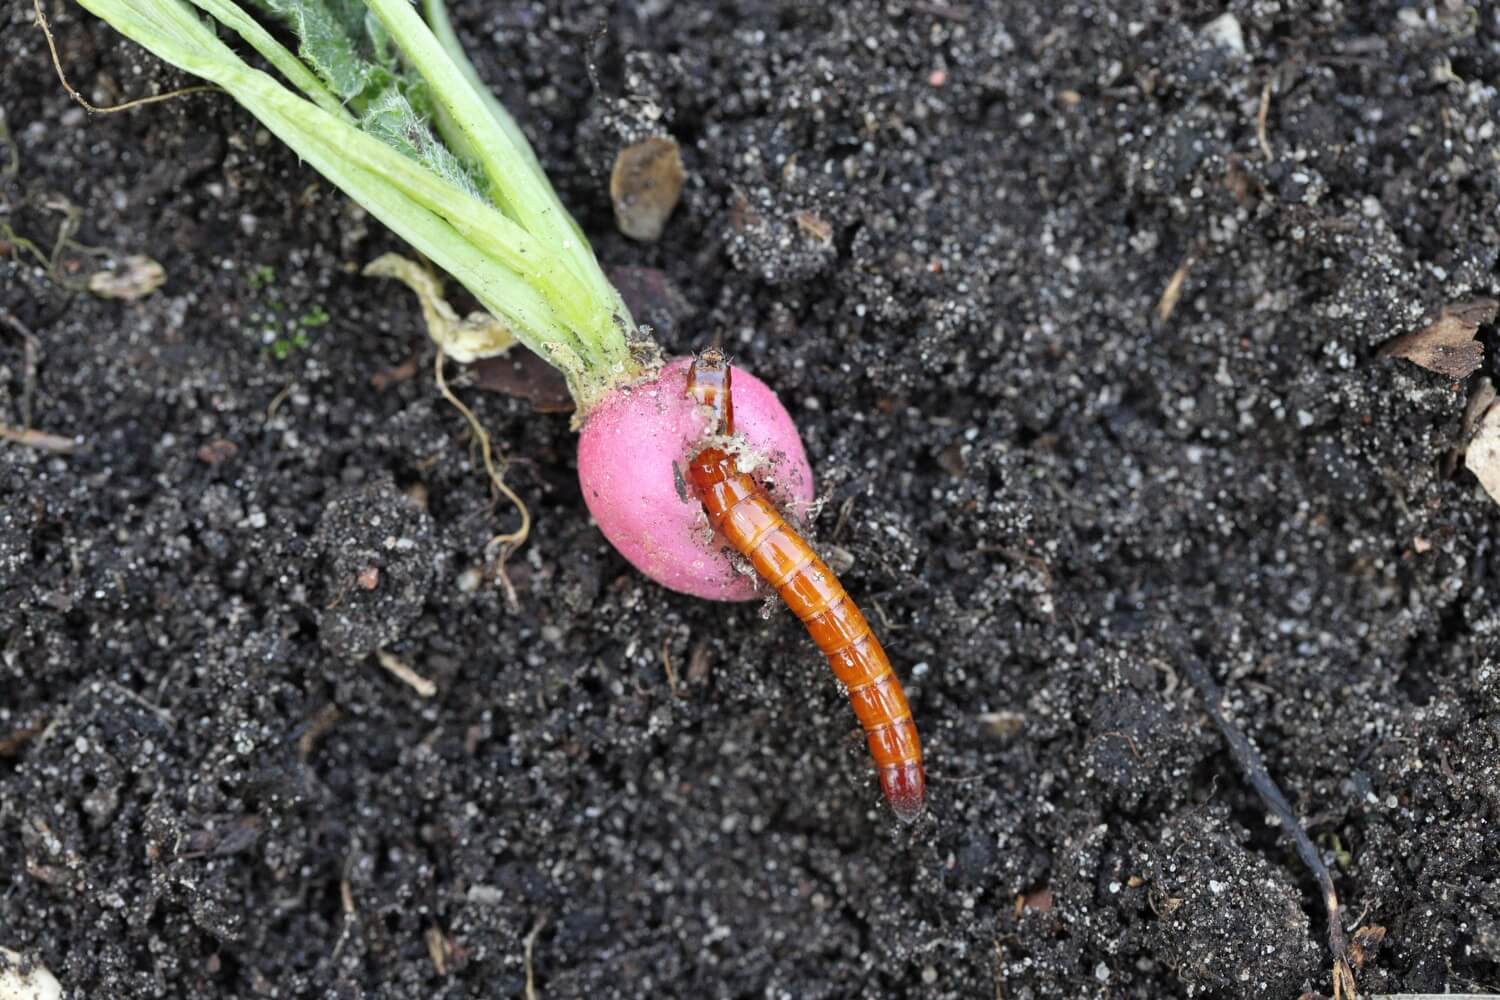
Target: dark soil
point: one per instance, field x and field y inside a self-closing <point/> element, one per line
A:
<point x="210" y="788"/>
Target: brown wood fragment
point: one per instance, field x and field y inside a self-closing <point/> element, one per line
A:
<point x="11" y="744"/>
<point x="40" y="440"/>
<point x="1173" y="292"/>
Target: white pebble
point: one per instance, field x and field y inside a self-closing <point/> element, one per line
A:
<point x="38" y="984"/>
<point x="1225" y="32"/>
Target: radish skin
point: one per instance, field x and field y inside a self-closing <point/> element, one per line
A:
<point x="631" y="455"/>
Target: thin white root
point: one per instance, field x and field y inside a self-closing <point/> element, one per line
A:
<point x="424" y="687"/>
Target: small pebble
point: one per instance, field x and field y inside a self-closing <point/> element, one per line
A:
<point x="37" y="984"/>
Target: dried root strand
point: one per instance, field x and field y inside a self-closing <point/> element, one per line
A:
<point x="1253" y="766"/>
<point x="62" y="78"/>
<point x="503" y="544"/>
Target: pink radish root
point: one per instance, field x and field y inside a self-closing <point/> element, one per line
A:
<point x="631" y="454"/>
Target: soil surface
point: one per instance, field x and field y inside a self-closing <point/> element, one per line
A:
<point x="947" y="234"/>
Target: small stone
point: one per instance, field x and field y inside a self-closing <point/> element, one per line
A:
<point x="1224" y="31"/>
<point x="36" y="984"/>
<point x="645" y="186"/>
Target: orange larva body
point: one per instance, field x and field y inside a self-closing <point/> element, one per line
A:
<point x="740" y="510"/>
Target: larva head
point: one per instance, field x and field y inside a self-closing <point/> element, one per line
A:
<point x="632" y="462"/>
<point x="709" y="384"/>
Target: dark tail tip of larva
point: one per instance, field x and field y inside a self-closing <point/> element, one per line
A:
<point x="905" y="788"/>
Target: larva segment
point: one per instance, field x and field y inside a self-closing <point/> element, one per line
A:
<point x="744" y="514"/>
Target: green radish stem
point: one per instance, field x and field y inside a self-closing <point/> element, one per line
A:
<point x="513" y="245"/>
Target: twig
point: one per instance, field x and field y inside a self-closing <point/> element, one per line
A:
<point x="13" y="168"/>
<point x="346" y="897"/>
<point x="41" y="20"/>
<point x="424" y="687"/>
<point x="1173" y="292"/>
<point x="530" y="968"/>
<point x="1122" y="735"/>
<point x="275" y="405"/>
<point x="666" y="662"/>
<point x="317" y="727"/>
<point x="437" y="949"/>
<point x="1260" y="121"/>
<point x="40" y="440"/>
<point x="1253" y="766"/>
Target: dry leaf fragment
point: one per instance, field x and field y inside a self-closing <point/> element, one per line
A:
<point x="645" y="185"/>
<point x="1483" y="455"/>
<point x="136" y="277"/>
<point x="525" y="376"/>
<point x="1480" y="398"/>
<point x="477" y="335"/>
<point x="1173" y="292"/>
<point x="1447" y="345"/>
<point x="1479" y="403"/>
<point x="815" y="226"/>
<point x="1366" y="941"/>
<point x="40" y="440"/>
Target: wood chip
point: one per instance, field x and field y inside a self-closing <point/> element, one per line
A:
<point x="1483" y="455"/>
<point x="1447" y="345"/>
<point x="645" y="186"/>
<point x="1173" y="292"/>
<point x="218" y="451"/>
<point x="40" y="440"/>
<point x="437" y="950"/>
<point x="136" y="277"/>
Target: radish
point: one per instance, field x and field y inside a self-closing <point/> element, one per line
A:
<point x="410" y="133"/>
<point x="379" y="86"/>
<point x="631" y="454"/>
